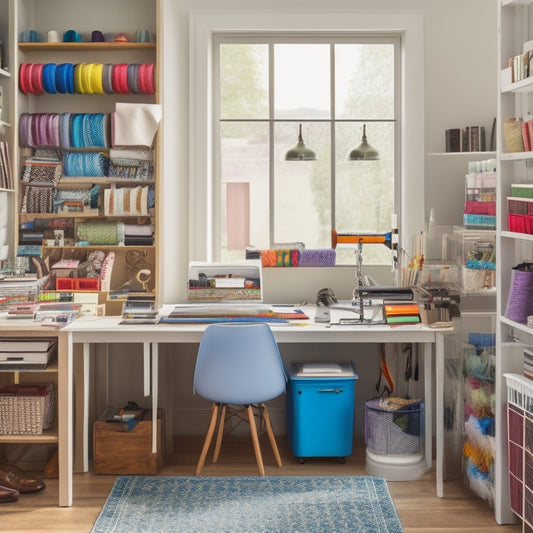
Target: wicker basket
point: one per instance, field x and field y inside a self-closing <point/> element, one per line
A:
<point x="26" y="409"/>
<point x="394" y="430"/>
<point x="512" y="133"/>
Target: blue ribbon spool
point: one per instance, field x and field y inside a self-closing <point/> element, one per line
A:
<point x="71" y="36"/>
<point x="49" y="78"/>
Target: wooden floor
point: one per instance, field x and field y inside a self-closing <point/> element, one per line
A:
<point x="419" y="509"/>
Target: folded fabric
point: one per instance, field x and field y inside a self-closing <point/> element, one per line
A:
<point x="144" y="154"/>
<point x="317" y="257"/>
<point x="480" y="208"/>
<point x="279" y="258"/>
<point x="135" y="124"/>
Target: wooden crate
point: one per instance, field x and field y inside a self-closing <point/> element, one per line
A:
<point x="119" y="451"/>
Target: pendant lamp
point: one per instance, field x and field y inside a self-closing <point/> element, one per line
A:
<point x="363" y="152"/>
<point x="300" y="152"/>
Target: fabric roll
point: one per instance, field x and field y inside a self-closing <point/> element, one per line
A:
<point x="520" y="303"/>
<point x="317" y="257"/>
<point x="134" y="240"/>
<point x="138" y="230"/>
<point x="109" y="233"/>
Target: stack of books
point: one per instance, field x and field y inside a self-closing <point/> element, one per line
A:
<point x="520" y="208"/>
<point x="6" y="174"/>
<point x="140" y="310"/>
<point x="480" y="200"/>
<point x="26" y="354"/>
<point x="56" y="314"/>
<point x="469" y="139"/>
<point x="402" y="313"/>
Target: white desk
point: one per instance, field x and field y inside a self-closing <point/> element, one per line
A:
<point x="88" y="331"/>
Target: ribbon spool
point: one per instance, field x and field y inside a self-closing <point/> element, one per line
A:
<point x="143" y="277"/>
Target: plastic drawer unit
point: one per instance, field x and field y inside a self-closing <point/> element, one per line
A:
<point x="320" y="410"/>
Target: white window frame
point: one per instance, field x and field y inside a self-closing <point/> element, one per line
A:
<point x="202" y="28"/>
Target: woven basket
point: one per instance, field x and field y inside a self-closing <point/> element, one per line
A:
<point x="25" y="414"/>
<point x="512" y="133"/>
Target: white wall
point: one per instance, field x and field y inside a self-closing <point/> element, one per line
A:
<point x="459" y="90"/>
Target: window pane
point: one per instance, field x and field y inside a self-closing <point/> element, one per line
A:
<point x="364" y="81"/>
<point x="364" y="193"/>
<point x="244" y="81"/>
<point x="244" y="160"/>
<point x="302" y="189"/>
<point x="301" y="81"/>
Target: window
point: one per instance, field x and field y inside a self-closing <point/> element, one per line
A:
<point x="265" y="87"/>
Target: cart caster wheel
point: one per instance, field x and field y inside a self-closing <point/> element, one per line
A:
<point x="301" y="460"/>
<point x="341" y="460"/>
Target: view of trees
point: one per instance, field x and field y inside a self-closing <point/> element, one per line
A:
<point x="364" y="190"/>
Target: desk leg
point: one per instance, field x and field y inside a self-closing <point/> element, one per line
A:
<point x="86" y="377"/>
<point x="146" y="368"/>
<point x="428" y="407"/>
<point x="439" y="411"/>
<point x="155" y="391"/>
<point x="65" y="411"/>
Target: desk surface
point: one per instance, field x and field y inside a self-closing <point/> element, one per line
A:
<point x="109" y="329"/>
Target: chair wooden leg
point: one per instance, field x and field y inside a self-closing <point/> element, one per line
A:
<point x="255" y="440"/>
<point x="218" y="442"/>
<point x="270" y="433"/>
<point x="208" y="437"/>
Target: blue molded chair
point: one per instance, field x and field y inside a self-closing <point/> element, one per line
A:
<point x="238" y="365"/>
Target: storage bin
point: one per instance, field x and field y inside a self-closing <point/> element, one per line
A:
<point x="122" y="452"/>
<point x="77" y="284"/>
<point x="26" y="409"/>
<point x="320" y="410"/>
<point x="394" y="426"/>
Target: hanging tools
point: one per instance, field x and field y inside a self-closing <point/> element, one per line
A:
<point x="408" y="349"/>
<point x="384" y="371"/>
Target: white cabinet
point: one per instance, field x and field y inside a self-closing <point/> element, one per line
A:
<point x="514" y="101"/>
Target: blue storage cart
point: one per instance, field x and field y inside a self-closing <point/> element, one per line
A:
<point x="320" y="409"/>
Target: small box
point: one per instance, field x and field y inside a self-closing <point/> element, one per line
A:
<point x="77" y="284"/>
<point x="320" y="410"/>
<point x="122" y="452"/>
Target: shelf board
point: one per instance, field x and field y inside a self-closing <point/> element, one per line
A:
<point x="99" y="247"/>
<point x="516" y="2"/>
<point x="517" y="325"/>
<point x="87" y="46"/>
<point x="81" y="214"/>
<point x="517" y="236"/>
<point x="5" y="73"/>
<point x="6" y="124"/>
<point x="486" y="152"/>
<point x="49" y="436"/>
<point x="516" y="156"/>
<point x="522" y="86"/>
<point x="70" y="180"/>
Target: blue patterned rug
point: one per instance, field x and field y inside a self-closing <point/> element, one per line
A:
<point x="327" y="504"/>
